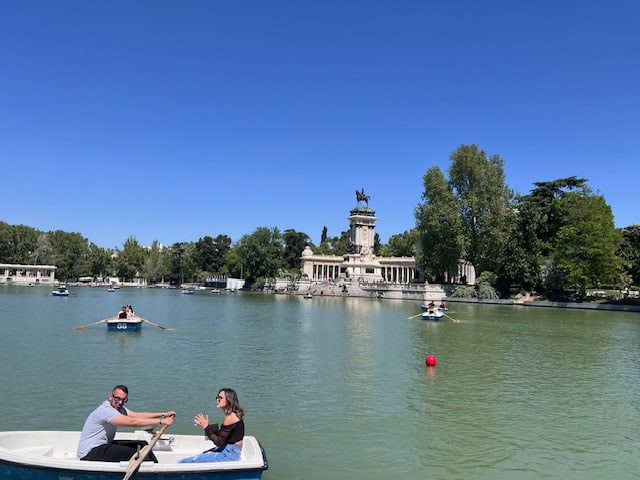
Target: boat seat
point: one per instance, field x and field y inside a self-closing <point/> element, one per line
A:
<point x="41" y="450"/>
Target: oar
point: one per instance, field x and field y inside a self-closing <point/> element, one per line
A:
<point x="138" y="457"/>
<point x="451" y="318"/>
<point x="409" y="318"/>
<point x="92" y="323"/>
<point x="154" y="324"/>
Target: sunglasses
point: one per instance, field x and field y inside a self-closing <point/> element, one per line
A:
<point x="120" y="399"/>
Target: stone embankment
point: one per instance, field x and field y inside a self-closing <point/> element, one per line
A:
<point x="433" y="292"/>
<point x="538" y="303"/>
<point x="390" y="291"/>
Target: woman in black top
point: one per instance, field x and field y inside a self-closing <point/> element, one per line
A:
<point x="228" y="437"/>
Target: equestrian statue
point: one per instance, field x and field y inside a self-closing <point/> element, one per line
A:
<point x="361" y="197"/>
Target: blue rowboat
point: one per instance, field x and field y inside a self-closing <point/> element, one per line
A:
<point x="425" y="308"/>
<point x="129" y="324"/>
<point x="51" y="455"/>
<point x="434" y="315"/>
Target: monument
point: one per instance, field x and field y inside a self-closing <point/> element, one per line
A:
<point x="359" y="266"/>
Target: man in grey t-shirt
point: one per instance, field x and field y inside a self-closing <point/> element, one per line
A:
<point x="97" y="438"/>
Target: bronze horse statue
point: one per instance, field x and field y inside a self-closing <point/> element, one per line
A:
<point x="362" y="197"/>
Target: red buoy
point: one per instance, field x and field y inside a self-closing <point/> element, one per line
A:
<point x="430" y="361"/>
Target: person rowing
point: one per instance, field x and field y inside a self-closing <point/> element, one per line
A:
<point x="97" y="438"/>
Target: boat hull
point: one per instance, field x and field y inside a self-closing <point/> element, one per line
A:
<point x="20" y="472"/>
<point x="51" y="455"/>
<point x="435" y="317"/>
<point x="124" y="325"/>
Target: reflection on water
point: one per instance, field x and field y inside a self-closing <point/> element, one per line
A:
<point x="338" y="388"/>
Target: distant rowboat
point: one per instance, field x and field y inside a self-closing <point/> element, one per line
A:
<point x="61" y="291"/>
<point x="434" y="315"/>
<point x="425" y="308"/>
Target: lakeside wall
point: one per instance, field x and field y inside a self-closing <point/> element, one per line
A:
<point x="543" y="304"/>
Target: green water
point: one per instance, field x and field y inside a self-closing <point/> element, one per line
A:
<point x="338" y="388"/>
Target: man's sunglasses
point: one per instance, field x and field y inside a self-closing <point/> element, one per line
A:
<point x="119" y="399"/>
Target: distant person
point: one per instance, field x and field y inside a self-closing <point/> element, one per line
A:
<point x="130" y="311"/>
<point x="97" y="438"/>
<point x="122" y="314"/>
<point x="227" y="438"/>
<point x="442" y="306"/>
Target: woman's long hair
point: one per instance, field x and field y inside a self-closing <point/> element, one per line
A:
<point x="232" y="402"/>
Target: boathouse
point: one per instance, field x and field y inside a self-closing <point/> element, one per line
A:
<point x="14" y="274"/>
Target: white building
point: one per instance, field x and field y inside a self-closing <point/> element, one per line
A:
<point x="14" y="274"/>
<point x="360" y="264"/>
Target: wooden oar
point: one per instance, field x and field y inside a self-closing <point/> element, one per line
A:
<point x="138" y="457"/>
<point x="409" y="318"/>
<point x="92" y="323"/>
<point x="450" y="318"/>
<point x="154" y="324"/>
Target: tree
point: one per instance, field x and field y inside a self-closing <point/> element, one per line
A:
<point x="71" y="253"/>
<point x="294" y="244"/>
<point x="209" y="254"/>
<point x="544" y="198"/>
<point x="6" y="252"/>
<point x="233" y="266"/>
<point x="182" y="265"/>
<point x="100" y="261"/>
<point x="401" y="245"/>
<point x="155" y="264"/>
<point x="130" y="261"/>
<point x="17" y="243"/>
<point x="323" y="236"/>
<point x="43" y="253"/>
<point x="333" y="245"/>
<point x="340" y="245"/>
<point x="205" y="254"/>
<point x="585" y="245"/>
<point x="629" y="252"/>
<point x="520" y="261"/>
<point x="222" y="244"/>
<point x="478" y="183"/>
<point x="261" y="253"/>
<point x="439" y="227"/>
<point x="377" y="244"/>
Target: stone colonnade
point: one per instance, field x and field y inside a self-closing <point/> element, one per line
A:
<point x="398" y="274"/>
<point x="325" y="271"/>
<point x="399" y="270"/>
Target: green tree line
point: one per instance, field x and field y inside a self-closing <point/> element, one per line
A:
<point x="559" y="237"/>
<point x="265" y="253"/>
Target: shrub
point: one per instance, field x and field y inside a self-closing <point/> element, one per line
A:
<point x="487" y="291"/>
<point x="464" y="291"/>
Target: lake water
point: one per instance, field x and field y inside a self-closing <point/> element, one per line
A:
<point x="338" y="388"/>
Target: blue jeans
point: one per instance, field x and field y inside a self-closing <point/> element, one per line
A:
<point x="229" y="453"/>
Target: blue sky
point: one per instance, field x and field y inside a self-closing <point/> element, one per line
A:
<point x="172" y="120"/>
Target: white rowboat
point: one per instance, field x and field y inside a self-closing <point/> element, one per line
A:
<point x="48" y="455"/>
